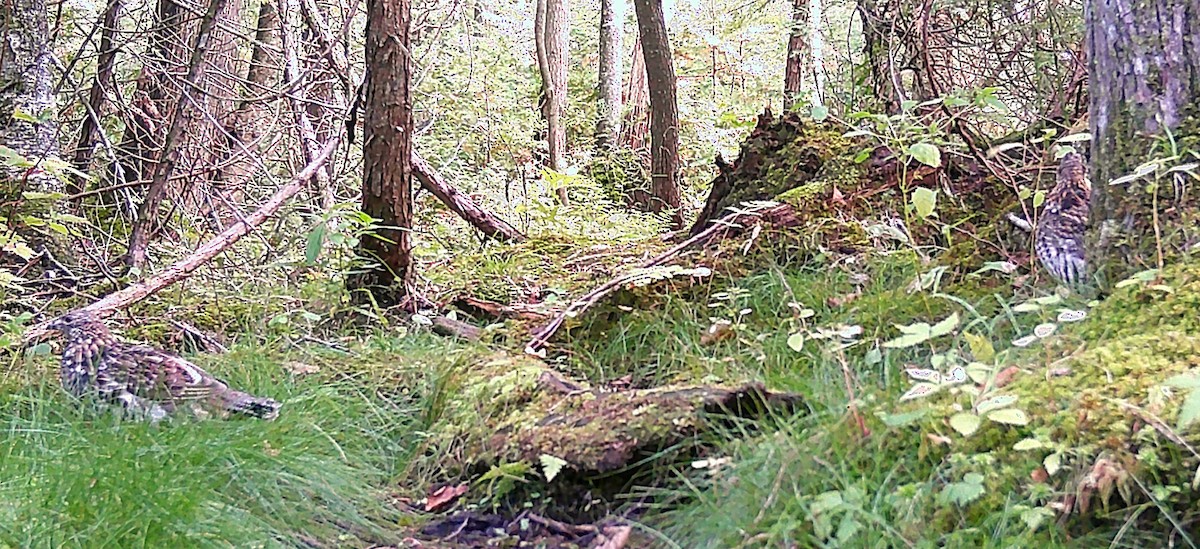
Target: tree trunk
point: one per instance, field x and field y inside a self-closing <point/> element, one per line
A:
<point x="664" y="112"/>
<point x="636" y="125"/>
<point x="1144" y="60"/>
<point x="793" y="74"/>
<point x="387" y="155"/>
<point x="816" y="45"/>
<point x="139" y="237"/>
<point x="556" y="34"/>
<point x="885" y="83"/>
<point x="90" y="126"/>
<point x="608" y="119"/>
<point x="246" y="128"/>
<point x="27" y="81"/>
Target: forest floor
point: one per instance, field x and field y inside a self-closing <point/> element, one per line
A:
<point x="839" y="384"/>
<point x="359" y="452"/>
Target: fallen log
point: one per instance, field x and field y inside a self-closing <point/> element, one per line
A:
<point x="485" y="221"/>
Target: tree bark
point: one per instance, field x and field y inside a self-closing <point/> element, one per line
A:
<point x="387" y="155"/>
<point x="321" y="183"/>
<point x="27" y="86"/>
<point x="557" y="53"/>
<point x="885" y="83"/>
<point x="793" y="74"/>
<point x="664" y="112"/>
<point x="608" y="117"/>
<point x="88" y="129"/>
<point x="139" y="237"/>
<point x="247" y="126"/>
<point x="481" y="219"/>
<point x="1144" y="59"/>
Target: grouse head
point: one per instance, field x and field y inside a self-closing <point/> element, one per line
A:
<point x="77" y="324"/>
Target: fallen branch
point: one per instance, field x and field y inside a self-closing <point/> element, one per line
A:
<point x="186" y="266"/>
<point x="481" y="219"/>
<point x="763" y="211"/>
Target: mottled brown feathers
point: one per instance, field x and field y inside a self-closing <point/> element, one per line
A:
<point x="1060" y="229"/>
<point x="143" y="377"/>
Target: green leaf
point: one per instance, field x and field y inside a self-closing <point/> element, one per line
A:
<point x="1009" y="416"/>
<point x="907" y="418"/>
<point x="906" y="340"/>
<point x="945" y="326"/>
<point x="962" y="493"/>
<point x="1039" y="198"/>
<point x="965" y="423"/>
<point x="1183" y="381"/>
<point x="995" y="403"/>
<point x="316" y="238"/>
<point x="1052" y="463"/>
<point x="820" y="113"/>
<point x="1033" y="518"/>
<point x="981" y="347"/>
<point x="1027" y="308"/>
<point x="23" y="116"/>
<point x="551" y="466"/>
<point x="1189" y="411"/>
<point x="796" y="341"/>
<point x="926" y="153"/>
<point x="41" y="349"/>
<point x="1028" y="444"/>
<point x="924" y="200"/>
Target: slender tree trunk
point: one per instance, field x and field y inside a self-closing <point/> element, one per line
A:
<point x="310" y="141"/>
<point x="793" y="74"/>
<point x="247" y="126"/>
<point x="1144" y="60"/>
<point x="557" y="50"/>
<point x="103" y="81"/>
<point x="139" y="237"/>
<point x="816" y="45"/>
<point x="387" y="155"/>
<point x="608" y="119"/>
<point x="27" y="82"/>
<point x="885" y="84"/>
<point x="636" y="125"/>
<point x="664" y="112"/>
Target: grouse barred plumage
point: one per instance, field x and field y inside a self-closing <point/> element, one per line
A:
<point x="1058" y="240"/>
<point x="143" y="378"/>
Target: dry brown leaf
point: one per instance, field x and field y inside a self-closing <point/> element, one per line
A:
<point x="442" y="497"/>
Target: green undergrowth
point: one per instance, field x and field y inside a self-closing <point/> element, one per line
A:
<point x="350" y="436"/>
<point x="1081" y="426"/>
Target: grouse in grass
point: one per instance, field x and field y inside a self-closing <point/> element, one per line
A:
<point x="142" y="378"/>
<point x="1059" y="236"/>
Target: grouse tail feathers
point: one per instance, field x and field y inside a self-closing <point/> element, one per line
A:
<point x="243" y="403"/>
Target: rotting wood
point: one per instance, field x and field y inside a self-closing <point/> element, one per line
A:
<point x="491" y="309"/>
<point x="449" y="327"/>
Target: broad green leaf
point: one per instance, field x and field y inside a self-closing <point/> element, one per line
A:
<point x="1189" y="411"/>
<point x="1009" y="416"/>
<point x="1028" y="444"/>
<point x="945" y="326"/>
<point x="41" y="349"/>
<point x="1033" y="518"/>
<point x="1183" y="381"/>
<point x="316" y="239"/>
<point x="995" y="403"/>
<point x="926" y="153"/>
<point x="981" y="347"/>
<point x="924" y="200"/>
<point x="1039" y="198"/>
<point x="965" y="423"/>
<point x="820" y="113"/>
<point x="551" y="466"/>
<point x="1026" y="307"/>
<point x="979" y="372"/>
<point x="796" y="341"/>
<point x="1076" y="138"/>
<point x="906" y="340"/>
<point x="901" y="420"/>
<point x="962" y="493"/>
<point x="1053" y="299"/>
<point x="1052" y="463"/>
<point x="918" y="328"/>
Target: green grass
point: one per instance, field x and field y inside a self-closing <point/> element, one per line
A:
<point x="78" y="476"/>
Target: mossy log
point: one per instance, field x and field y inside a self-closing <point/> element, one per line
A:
<point x="512" y="408"/>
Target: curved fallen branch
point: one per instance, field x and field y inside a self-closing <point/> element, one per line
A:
<point x="201" y="255"/>
<point x="739" y="218"/>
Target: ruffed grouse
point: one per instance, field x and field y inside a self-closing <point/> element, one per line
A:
<point x="1059" y="236"/>
<point x="143" y="378"/>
